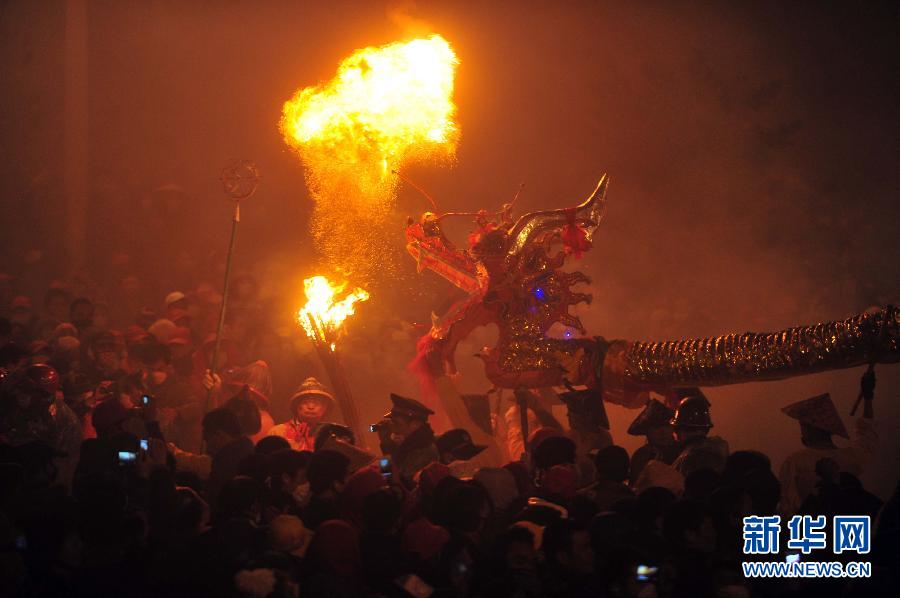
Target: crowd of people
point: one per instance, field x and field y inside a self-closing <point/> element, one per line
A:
<point x="129" y="468"/>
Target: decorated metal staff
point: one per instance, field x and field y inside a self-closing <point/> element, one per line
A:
<point x="322" y="319"/>
<point x="239" y="180"/>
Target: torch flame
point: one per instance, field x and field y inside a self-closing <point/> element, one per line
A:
<point x="322" y="315"/>
<point x="384" y="104"/>
<point x="386" y="107"/>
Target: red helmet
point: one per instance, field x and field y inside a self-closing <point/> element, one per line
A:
<point x="42" y="378"/>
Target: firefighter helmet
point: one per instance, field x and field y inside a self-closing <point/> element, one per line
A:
<point x="693" y="412"/>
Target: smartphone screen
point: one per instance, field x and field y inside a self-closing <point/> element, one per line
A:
<point x="145" y="444"/>
<point x="645" y="572"/>
<point x="127" y="457"/>
<point x="145" y="400"/>
<point x="385" y="466"/>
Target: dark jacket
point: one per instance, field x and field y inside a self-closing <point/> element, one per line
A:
<point x="649" y="452"/>
<point x="700" y="453"/>
<point x="318" y="511"/>
<point x="415" y="452"/>
<point x="225" y="466"/>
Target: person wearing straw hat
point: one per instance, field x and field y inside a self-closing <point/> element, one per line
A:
<point x="819" y="421"/>
<point x="310" y="403"/>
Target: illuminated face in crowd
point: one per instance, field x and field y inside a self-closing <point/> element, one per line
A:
<point x="401" y="426"/>
<point x="108" y="360"/>
<point x="311" y="409"/>
<point x="157" y="373"/>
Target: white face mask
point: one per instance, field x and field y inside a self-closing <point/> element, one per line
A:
<point x="301" y="493"/>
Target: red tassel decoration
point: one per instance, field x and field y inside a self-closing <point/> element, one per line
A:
<point x="574" y="237"/>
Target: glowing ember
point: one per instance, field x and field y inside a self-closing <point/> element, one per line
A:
<point x="323" y="315"/>
<point x="387" y="107"/>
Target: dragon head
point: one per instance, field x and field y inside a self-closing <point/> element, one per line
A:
<point x="514" y="279"/>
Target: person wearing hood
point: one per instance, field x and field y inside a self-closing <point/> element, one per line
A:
<point x="653" y="423"/>
<point x="310" y="404"/>
<point x="819" y="421"/>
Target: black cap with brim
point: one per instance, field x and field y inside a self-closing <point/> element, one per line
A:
<point x="467" y="451"/>
<point x="654" y="414"/>
<point x="458" y="442"/>
<point x="407" y="407"/>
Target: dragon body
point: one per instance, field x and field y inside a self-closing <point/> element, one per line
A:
<point x="513" y="277"/>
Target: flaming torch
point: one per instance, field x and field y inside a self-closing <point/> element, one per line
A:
<point x="322" y="318"/>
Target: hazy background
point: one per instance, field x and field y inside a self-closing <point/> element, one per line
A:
<point x="752" y="150"/>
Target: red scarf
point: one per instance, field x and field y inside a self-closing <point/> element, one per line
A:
<point x="300" y="434"/>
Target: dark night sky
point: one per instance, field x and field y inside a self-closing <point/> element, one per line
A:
<point x="752" y="149"/>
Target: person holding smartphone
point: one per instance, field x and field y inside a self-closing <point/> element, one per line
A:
<point x="411" y="443"/>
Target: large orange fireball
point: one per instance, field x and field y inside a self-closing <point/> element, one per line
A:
<point x="387" y="107"/>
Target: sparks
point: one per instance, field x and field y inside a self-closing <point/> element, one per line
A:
<point x="386" y="108"/>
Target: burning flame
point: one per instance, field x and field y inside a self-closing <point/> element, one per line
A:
<point x="322" y="315"/>
<point x="384" y="104"/>
<point x="386" y="107"/>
